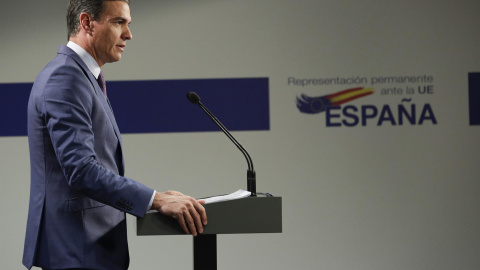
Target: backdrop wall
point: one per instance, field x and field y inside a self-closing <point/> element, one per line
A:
<point x="388" y="179"/>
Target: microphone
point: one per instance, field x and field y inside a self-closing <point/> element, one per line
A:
<point x="251" y="177"/>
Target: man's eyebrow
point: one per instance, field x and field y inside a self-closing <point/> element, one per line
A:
<point x="122" y="19"/>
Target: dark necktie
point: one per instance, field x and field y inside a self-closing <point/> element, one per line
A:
<point x="102" y="84"/>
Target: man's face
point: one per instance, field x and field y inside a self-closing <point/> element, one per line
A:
<point x="111" y="32"/>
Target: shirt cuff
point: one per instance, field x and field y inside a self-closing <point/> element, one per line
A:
<point x="151" y="201"/>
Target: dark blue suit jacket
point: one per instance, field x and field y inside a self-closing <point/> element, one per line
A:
<point x="78" y="194"/>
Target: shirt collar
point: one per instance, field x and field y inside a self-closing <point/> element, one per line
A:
<point x="86" y="58"/>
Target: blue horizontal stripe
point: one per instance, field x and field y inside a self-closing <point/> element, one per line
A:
<point x="160" y="106"/>
<point x="13" y="108"/>
<point x="474" y="98"/>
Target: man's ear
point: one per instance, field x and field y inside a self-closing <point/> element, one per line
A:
<point x="86" y="23"/>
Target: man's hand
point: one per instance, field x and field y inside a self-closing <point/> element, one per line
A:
<point x="186" y="210"/>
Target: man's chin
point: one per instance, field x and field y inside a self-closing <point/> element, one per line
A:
<point x="114" y="59"/>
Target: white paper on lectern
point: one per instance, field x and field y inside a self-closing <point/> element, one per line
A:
<point x="239" y="194"/>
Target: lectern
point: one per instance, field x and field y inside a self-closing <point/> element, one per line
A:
<point x="248" y="215"/>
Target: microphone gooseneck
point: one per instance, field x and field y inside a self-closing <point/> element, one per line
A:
<point x="251" y="176"/>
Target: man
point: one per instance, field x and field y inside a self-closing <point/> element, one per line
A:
<point x="78" y="194"/>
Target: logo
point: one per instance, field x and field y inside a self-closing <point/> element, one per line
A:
<point x="338" y="113"/>
<point x="313" y="105"/>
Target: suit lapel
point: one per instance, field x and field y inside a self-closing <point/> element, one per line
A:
<point x="108" y="109"/>
<point x="105" y="104"/>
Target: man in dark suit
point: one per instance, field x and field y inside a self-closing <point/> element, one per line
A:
<point x="79" y="194"/>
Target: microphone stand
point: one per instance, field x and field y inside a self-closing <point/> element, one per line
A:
<point x="251" y="176"/>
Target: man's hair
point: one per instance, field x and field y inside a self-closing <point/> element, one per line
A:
<point x="77" y="7"/>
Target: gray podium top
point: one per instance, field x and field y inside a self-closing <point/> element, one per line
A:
<point x="248" y="215"/>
